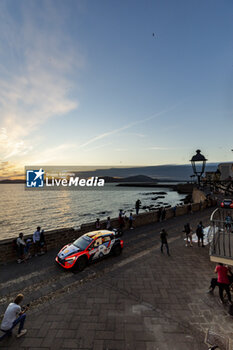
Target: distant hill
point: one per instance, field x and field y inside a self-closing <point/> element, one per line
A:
<point x="8" y="181"/>
<point x="158" y="173"/>
<point x="137" y="178"/>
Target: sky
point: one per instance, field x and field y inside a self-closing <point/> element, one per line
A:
<point x="118" y="83"/>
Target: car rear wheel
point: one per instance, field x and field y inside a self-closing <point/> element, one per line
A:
<point x="117" y="250"/>
<point x="80" y="264"/>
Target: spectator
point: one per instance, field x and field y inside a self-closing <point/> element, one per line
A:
<point x="163" y="238"/>
<point x="200" y="233"/>
<point x="228" y="222"/>
<point x="137" y="206"/>
<point x="36" y="240"/>
<point x="174" y="210"/>
<point x="121" y="220"/>
<point x="223" y="281"/>
<point x="213" y="284"/>
<point x="163" y="214"/>
<point x="108" y="224"/>
<point x="97" y="224"/>
<point x="14" y="315"/>
<point x="131" y="221"/>
<point x="189" y="207"/>
<point x="43" y="244"/>
<point x="188" y="232"/>
<point x="160" y="214"/>
<point x="20" y="247"/>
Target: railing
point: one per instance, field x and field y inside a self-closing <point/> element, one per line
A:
<point x="221" y="242"/>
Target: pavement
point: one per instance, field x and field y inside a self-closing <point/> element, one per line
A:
<point x="140" y="300"/>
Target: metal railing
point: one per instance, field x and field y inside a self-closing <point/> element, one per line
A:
<point x="221" y="242"/>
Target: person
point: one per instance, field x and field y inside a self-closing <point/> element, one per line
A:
<point x="213" y="284"/>
<point x="214" y="281"/>
<point x="13" y="315"/>
<point x="163" y="214"/>
<point x="174" y="210"/>
<point x="131" y="221"/>
<point x="200" y="233"/>
<point x="43" y="244"/>
<point x="20" y="247"/>
<point x="121" y="220"/>
<point x="137" y="206"/>
<point x="189" y="208"/>
<point x="108" y="224"/>
<point x="36" y="240"/>
<point x="223" y="281"/>
<point x="163" y="238"/>
<point x="97" y="224"/>
<point x="228" y="222"/>
<point x="188" y="232"/>
<point x="160" y="214"/>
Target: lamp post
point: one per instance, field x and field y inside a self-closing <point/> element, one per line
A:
<point x="198" y="162"/>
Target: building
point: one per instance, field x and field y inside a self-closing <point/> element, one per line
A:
<point x="226" y="170"/>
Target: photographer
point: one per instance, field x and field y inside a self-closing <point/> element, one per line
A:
<point x="14" y="314"/>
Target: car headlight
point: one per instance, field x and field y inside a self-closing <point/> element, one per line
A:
<point x="71" y="259"/>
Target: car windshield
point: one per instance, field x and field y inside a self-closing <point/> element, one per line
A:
<point x="83" y="242"/>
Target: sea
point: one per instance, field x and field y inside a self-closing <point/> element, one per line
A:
<point x="23" y="210"/>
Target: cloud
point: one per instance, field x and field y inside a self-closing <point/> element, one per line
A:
<point x="128" y="126"/>
<point x="37" y="76"/>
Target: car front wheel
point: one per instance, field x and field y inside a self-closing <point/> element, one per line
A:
<point x="80" y="264"/>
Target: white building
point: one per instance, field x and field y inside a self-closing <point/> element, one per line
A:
<point x="226" y="170"/>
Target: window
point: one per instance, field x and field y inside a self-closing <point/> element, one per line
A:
<point x="98" y="242"/>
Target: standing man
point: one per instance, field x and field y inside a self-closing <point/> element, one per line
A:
<point x="36" y="240"/>
<point x="14" y="315"/>
<point x="188" y="232"/>
<point x="163" y="237"/>
<point x="137" y="206"/>
<point x="131" y="221"/>
<point x="200" y="233"/>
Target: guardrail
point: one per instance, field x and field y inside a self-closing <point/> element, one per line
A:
<point x="221" y="246"/>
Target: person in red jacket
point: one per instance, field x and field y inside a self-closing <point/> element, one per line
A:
<point x="223" y="281"/>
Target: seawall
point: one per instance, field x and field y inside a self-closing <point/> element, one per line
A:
<point x="60" y="237"/>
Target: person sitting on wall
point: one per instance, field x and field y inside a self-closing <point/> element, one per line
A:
<point x="22" y="248"/>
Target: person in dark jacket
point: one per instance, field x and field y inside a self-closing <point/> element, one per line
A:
<point x="163" y="238"/>
<point x="200" y="233"/>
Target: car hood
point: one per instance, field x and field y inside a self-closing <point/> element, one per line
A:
<point x="68" y="250"/>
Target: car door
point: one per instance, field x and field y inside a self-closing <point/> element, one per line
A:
<point x="96" y="249"/>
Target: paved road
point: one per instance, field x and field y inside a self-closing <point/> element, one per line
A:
<point x="140" y="300"/>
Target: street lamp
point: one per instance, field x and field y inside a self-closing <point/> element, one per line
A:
<point x="199" y="168"/>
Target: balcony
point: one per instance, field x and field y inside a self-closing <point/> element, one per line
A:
<point x="221" y="245"/>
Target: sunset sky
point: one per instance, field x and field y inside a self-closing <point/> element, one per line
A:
<point x="114" y="82"/>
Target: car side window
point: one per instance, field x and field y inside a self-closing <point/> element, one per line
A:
<point x="98" y="242"/>
<point x="106" y="239"/>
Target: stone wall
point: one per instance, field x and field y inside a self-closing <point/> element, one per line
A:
<point x="58" y="238"/>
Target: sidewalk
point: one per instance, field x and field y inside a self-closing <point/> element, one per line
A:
<point x="141" y="300"/>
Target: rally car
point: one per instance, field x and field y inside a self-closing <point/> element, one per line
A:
<point x="89" y="247"/>
<point x="227" y="203"/>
